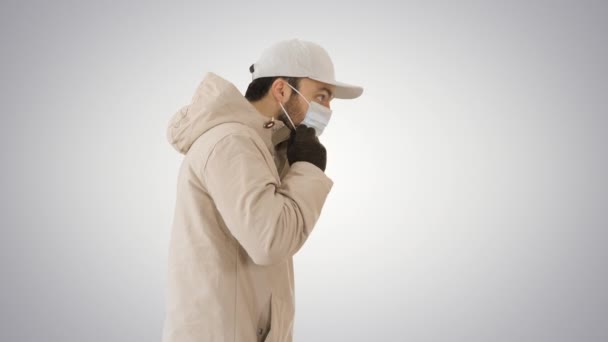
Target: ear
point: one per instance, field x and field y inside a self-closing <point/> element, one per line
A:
<point x="279" y="90"/>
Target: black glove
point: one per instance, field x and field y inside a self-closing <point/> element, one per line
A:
<point x="304" y="145"/>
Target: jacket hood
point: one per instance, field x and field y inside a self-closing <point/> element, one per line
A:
<point x="217" y="101"/>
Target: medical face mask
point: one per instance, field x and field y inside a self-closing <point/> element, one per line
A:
<point x="316" y="117"/>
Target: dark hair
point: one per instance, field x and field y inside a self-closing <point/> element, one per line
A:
<point x="259" y="87"/>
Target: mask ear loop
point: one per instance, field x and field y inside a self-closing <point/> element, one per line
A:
<point x="296" y="90"/>
<point x="287" y="115"/>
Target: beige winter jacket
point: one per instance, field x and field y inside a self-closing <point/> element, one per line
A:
<point x="241" y="214"/>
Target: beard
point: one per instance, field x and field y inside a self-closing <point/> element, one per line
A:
<point x="293" y="108"/>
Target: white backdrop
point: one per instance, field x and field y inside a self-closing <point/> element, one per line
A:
<point x="470" y="191"/>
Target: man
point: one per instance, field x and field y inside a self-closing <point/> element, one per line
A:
<point x="250" y="190"/>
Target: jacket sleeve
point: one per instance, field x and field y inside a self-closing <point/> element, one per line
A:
<point x="271" y="221"/>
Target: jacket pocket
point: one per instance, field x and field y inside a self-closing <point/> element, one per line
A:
<point x="281" y="320"/>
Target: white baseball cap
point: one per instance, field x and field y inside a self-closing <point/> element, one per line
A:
<point x="298" y="58"/>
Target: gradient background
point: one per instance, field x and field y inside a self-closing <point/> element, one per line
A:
<point x="470" y="197"/>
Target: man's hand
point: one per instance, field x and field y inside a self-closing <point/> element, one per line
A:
<point x="305" y="146"/>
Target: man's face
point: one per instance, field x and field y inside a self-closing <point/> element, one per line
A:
<point x="319" y="92"/>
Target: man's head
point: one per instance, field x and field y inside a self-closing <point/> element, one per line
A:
<point x="300" y="65"/>
<point x="275" y="90"/>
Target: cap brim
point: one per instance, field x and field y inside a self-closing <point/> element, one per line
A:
<point x="344" y="90"/>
